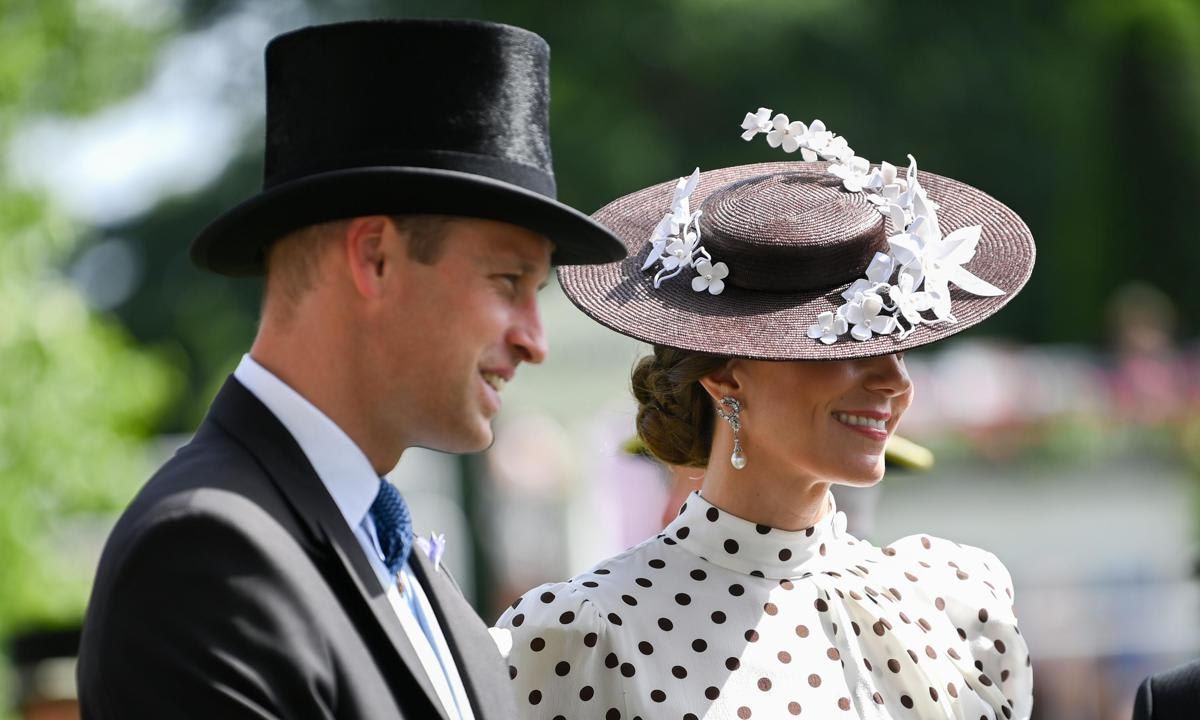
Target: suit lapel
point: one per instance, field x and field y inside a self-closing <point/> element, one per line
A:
<point x="478" y="659"/>
<point x="251" y="424"/>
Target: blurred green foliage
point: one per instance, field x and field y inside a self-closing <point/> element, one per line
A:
<point x="77" y="399"/>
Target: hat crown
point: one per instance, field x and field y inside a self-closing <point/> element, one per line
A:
<point x="451" y="94"/>
<point x="792" y="232"/>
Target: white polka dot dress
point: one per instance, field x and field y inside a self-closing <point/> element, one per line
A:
<point x="720" y="618"/>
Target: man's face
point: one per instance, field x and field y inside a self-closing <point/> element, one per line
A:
<point x="457" y="331"/>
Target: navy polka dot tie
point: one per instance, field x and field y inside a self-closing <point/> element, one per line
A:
<point x="393" y="525"/>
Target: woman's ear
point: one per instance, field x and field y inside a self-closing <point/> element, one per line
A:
<point x="728" y="380"/>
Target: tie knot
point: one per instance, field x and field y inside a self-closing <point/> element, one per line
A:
<point x="393" y="525"/>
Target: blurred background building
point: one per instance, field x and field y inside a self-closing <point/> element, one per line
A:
<point x="1067" y="429"/>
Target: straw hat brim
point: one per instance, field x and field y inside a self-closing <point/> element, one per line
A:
<point x="774" y="325"/>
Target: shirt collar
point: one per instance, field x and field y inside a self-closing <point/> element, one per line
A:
<point x="745" y="547"/>
<point x="342" y="467"/>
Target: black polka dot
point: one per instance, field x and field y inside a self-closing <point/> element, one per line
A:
<point x="814" y="680"/>
<point x="785" y="554"/>
<point x="590" y="639"/>
<point x="893" y="665"/>
<point x="764" y="684"/>
<point x="699" y="575"/>
<point x="614" y="618"/>
<point x="567" y="618"/>
<point x="844" y="703"/>
<point x="736" y="590"/>
<point x="644" y="582"/>
<point x="629" y="600"/>
<point x="802" y="631"/>
<point x="645" y="648"/>
<point x="731" y="546"/>
<point x="611" y="661"/>
<point x="906" y="701"/>
<point x="751" y="635"/>
<point x="665" y="625"/>
<point x="718" y="617"/>
<point x="682" y="533"/>
<point x="562" y="668"/>
<point x="679" y="672"/>
<point x="537" y="644"/>
<point x="518" y="620"/>
<point x="699" y="645"/>
<point x="628" y="670"/>
<point x="657" y="564"/>
<point x="669" y="541"/>
<point x="612" y="714"/>
<point x="757" y="573"/>
<point x="794" y="707"/>
<point x="821" y="605"/>
<point x="590" y="584"/>
<point x="601" y="571"/>
<point x="712" y="514"/>
<point x="658" y="696"/>
<point x="712" y="693"/>
<point x="547" y="597"/>
<point x="587" y="692"/>
<point x="535" y="697"/>
<point x="512" y="672"/>
<point x="683" y="598"/>
<point x="732" y="663"/>
<point x="762" y="529"/>
<point x="690" y="716"/>
<point x="744" y="713"/>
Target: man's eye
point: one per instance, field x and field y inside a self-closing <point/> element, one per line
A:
<point x="512" y="281"/>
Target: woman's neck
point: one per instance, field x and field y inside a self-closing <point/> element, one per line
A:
<point x="763" y="493"/>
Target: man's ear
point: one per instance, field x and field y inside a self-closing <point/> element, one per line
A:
<point x="728" y="380"/>
<point x="370" y="251"/>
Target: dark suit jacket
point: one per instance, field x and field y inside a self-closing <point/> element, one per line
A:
<point x="233" y="588"/>
<point x="1170" y="695"/>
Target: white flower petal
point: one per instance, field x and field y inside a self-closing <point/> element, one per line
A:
<point x="790" y="143"/>
<point x="775" y="138"/>
<point x="780" y="122"/>
<point x="699" y="283"/>
<point x="871" y="306"/>
<point x="883" y="324"/>
<point x="749" y="134"/>
<point x="971" y="283"/>
<point x="861" y="332"/>
<point x="825" y="320"/>
<point x="716" y="286"/>
<point x="959" y="246"/>
<point x="704" y="267"/>
<point x="815" y="331"/>
<point x="880" y="269"/>
<point x="808" y="155"/>
<point x="840" y="325"/>
<point x="856" y="287"/>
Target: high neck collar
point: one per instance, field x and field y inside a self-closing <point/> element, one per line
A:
<point x="745" y="547"/>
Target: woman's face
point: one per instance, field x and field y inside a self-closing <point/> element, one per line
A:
<point x="828" y="420"/>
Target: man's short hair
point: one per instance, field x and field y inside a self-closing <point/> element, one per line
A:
<point x="293" y="261"/>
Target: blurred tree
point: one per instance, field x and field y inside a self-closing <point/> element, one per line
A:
<point x="77" y="401"/>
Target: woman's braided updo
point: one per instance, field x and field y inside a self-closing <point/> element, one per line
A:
<point x="675" y="412"/>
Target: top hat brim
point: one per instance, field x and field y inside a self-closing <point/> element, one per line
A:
<point x="771" y="325"/>
<point x="234" y="243"/>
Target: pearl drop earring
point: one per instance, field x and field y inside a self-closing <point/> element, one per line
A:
<point x="733" y="417"/>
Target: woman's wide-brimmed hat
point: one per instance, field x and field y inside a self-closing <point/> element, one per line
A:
<point x="833" y="258"/>
<point x="431" y="117"/>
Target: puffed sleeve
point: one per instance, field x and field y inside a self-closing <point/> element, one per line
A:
<point x="975" y="591"/>
<point x="562" y="661"/>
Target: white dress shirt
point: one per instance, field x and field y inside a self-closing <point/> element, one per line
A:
<point x="352" y="482"/>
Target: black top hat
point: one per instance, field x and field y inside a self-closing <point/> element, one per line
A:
<point x="432" y="117"/>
